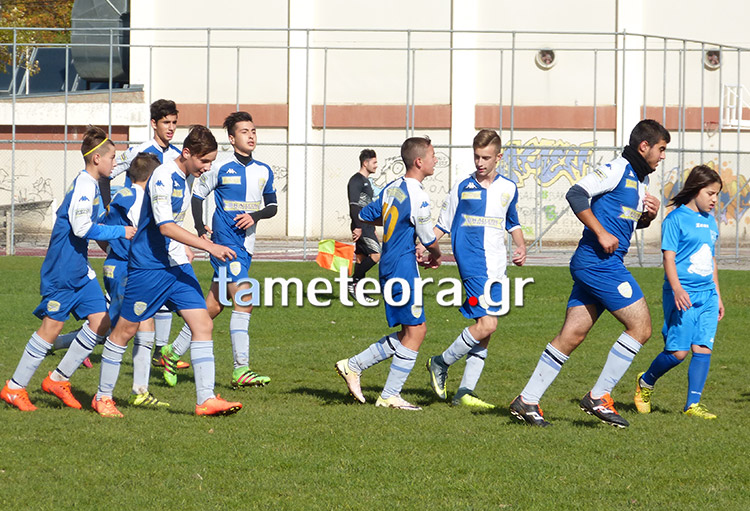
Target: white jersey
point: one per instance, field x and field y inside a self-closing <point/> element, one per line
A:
<point x="122" y="163"/>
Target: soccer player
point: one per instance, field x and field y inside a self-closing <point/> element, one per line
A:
<point x="403" y="208"/>
<point x="68" y="284"/>
<point x="164" y="123"/>
<point x="360" y="194"/>
<point x="476" y="213"/>
<point x="124" y="210"/>
<point x="159" y="273"/>
<point x="611" y="202"/>
<point x="244" y="193"/>
<point x="691" y="297"/>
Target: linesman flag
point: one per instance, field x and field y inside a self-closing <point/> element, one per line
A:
<point x="333" y="255"/>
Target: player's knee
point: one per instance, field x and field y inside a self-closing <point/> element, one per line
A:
<point x="486" y="326"/>
<point x="375" y="257"/>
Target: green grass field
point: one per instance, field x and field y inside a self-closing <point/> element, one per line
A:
<point x="302" y="443"/>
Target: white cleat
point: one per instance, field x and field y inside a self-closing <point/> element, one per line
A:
<point x="396" y="402"/>
<point x="351" y="378"/>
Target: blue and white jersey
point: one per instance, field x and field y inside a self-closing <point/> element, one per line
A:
<point x="617" y="202"/>
<point x="123" y="210"/>
<point x="692" y="237"/>
<point x="66" y="264"/>
<point x="167" y="200"/>
<point x="237" y="189"/>
<point x="405" y="209"/>
<point x="477" y="219"/>
<point x="122" y="163"/>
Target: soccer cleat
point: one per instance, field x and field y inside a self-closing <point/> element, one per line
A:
<point x="18" y="398"/>
<point x="642" y="396"/>
<point x="105" y="407"/>
<point x="530" y="413"/>
<point x="87" y="363"/>
<point x="471" y="400"/>
<point x="352" y="288"/>
<point x="146" y="400"/>
<point x="438" y="375"/>
<point x="699" y="410"/>
<point x="158" y="361"/>
<point x="604" y="410"/>
<point x="396" y="402"/>
<point x="351" y="378"/>
<point x="169" y="366"/>
<point x="217" y="406"/>
<point x="61" y="390"/>
<point x="244" y="377"/>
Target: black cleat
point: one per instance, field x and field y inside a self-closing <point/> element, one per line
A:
<point x="531" y="414"/>
<point x="604" y="410"/>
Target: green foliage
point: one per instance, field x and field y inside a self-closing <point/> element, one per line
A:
<point x="302" y="443"/>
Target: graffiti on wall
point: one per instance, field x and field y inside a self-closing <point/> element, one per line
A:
<point x="547" y="161"/>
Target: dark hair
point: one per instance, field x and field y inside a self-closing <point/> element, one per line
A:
<point x="234" y="118"/>
<point x="700" y="177"/>
<point x="366" y="154"/>
<point x="487" y="137"/>
<point x="162" y="108"/>
<point x="142" y="166"/>
<point x="650" y="131"/>
<point x="200" y="141"/>
<point x="413" y="148"/>
<point x="95" y="141"/>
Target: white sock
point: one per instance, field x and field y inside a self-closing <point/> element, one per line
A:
<point x="142" y="345"/>
<point x="547" y="369"/>
<point x="619" y="359"/>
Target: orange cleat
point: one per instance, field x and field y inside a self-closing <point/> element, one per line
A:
<point x="61" y="390"/>
<point x="18" y="398"/>
<point x="217" y="406"/>
<point x="106" y="407"/>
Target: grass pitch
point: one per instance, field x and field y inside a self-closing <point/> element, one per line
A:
<point x="302" y="443"/>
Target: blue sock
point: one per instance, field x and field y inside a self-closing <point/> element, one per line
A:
<point x="697" y="375"/>
<point x="663" y="362"/>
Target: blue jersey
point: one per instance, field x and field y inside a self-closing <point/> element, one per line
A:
<point x="477" y="219"/>
<point x="617" y="202"/>
<point x="691" y="236"/>
<point x="167" y="200"/>
<point x="237" y="189"/>
<point x="122" y="163"/>
<point x="123" y="210"/>
<point x="66" y="264"/>
<point x="405" y="209"/>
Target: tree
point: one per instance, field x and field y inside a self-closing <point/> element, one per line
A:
<point x="31" y="14"/>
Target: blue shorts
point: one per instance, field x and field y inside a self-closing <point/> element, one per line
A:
<point x="87" y="299"/>
<point x="406" y="314"/>
<point x="236" y="268"/>
<point x="147" y="290"/>
<point x="697" y="325"/>
<point x="474" y="287"/>
<point x="607" y="286"/>
<point x="115" y="278"/>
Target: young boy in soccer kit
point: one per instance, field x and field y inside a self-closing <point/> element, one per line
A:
<point x="164" y="123"/>
<point x="403" y="208"/>
<point x="477" y="213"/>
<point x="245" y="194"/>
<point x="691" y="297"/>
<point x="611" y="202"/>
<point x="125" y="209"/>
<point x="360" y="192"/>
<point x="159" y="274"/>
<point x="68" y="284"/>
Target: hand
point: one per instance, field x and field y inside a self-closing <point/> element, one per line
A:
<point x="519" y="256"/>
<point x="244" y="221"/>
<point x="221" y="252"/>
<point x="356" y="233"/>
<point x="420" y="253"/>
<point x="190" y="254"/>
<point x="429" y="261"/>
<point x="682" y="299"/>
<point x="721" y="309"/>
<point x="608" y="242"/>
<point x="651" y="205"/>
<point x="129" y="232"/>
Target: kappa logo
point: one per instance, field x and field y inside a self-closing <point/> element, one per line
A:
<point x="231" y="171"/>
<point x="471" y="185"/>
<point x="425" y="204"/>
<point x="159" y="183"/>
<point x="84" y="199"/>
<point x="139" y="308"/>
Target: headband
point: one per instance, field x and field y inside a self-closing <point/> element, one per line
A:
<point x="96" y="147"/>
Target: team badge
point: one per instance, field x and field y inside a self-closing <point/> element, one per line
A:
<point x="235" y="267"/>
<point x="416" y="310"/>
<point x="139" y="308"/>
<point x="53" y="306"/>
<point x="483" y="302"/>
<point x="625" y="290"/>
<point x="505" y="199"/>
